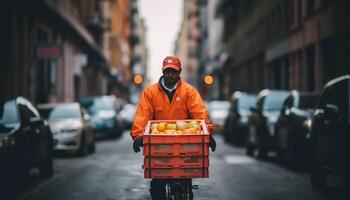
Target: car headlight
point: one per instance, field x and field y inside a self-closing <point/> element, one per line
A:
<point x="7" y="142"/>
<point x="308" y="126"/>
<point x="308" y="123"/>
<point x="70" y="130"/>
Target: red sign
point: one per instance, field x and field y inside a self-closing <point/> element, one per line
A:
<point x="49" y="51"/>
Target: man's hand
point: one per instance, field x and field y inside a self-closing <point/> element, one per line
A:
<point x="137" y="144"/>
<point x="212" y="143"/>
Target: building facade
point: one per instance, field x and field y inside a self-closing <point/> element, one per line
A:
<point x="289" y="44"/>
<point x="187" y="44"/>
<point x="59" y="51"/>
<point x="199" y="46"/>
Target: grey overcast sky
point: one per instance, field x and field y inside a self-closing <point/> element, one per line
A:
<point x="162" y="20"/>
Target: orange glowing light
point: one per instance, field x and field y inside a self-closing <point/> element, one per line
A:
<point x="138" y="79"/>
<point x="208" y="79"/>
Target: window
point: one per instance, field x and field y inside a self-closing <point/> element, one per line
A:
<point x="274" y="102"/>
<point x="246" y="102"/>
<point x="69" y="111"/>
<point x="337" y="94"/>
<point x="8" y="112"/>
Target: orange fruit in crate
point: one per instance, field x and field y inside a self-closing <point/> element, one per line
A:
<point x="192" y="130"/>
<point x="178" y="132"/>
<point x="186" y="131"/>
<point x="161" y="127"/>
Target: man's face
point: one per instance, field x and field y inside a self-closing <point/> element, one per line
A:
<point x="171" y="75"/>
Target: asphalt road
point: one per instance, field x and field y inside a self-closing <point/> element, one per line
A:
<point x="114" y="173"/>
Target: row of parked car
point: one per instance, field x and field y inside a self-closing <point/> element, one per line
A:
<point x="29" y="135"/>
<point x="306" y="129"/>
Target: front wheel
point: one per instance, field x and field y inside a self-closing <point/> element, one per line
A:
<point x="181" y="196"/>
<point x="179" y="190"/>
<point x="178" y="196"/>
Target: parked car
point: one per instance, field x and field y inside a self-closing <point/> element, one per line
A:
<point x="127" y="114"/>
<point x="330" y="134"/>
<point x="293" y="127"/>
<point x="262" y="121"/>
<point x="70" y="126"/>
<point x="104" y="115"/>
<point x="236" y="123"/>
<point x="25" y="141"/>
<point x="218" y="111"/>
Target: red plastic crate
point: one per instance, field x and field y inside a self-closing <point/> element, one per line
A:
<point x="175" y="173"/>
<point x="176" y="162"/>
<point x="176" y="150"/>
<point x="175" y="145"/>
<point x="172" y="139"/>
<point x="176" y="155"/>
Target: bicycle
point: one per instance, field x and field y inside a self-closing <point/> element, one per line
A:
<point x="176" y="159"/>
<point x="179" y="189"/>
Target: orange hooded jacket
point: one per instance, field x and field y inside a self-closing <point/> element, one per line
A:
<point x="154" y="105"/>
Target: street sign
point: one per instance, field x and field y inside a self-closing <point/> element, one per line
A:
<point x="49" y="50"/>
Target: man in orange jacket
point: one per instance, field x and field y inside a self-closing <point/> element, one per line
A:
<point x="169" y="99"/>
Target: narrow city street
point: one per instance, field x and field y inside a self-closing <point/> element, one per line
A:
<point x="114" y="172"/>
<point x="270" y="78"/>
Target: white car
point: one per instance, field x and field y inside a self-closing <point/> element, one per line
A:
<point x="127" y="114"/>
<point x="218" y="111"/>
<point x="71" y="127"/>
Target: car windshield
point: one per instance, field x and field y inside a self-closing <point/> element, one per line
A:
<point x="246" y="102"/>
<point x="8" y="112"/>
<point x="274" y="102"/>
<point x="219" y="105"/>
<point x="101" y="104"/>
<point x="61" y="112"/>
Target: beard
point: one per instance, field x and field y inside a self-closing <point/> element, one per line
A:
<point x="170" y="80"/>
